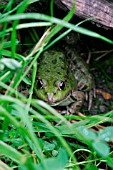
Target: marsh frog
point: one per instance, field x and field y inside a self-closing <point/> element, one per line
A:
<point x="62" y="79"/>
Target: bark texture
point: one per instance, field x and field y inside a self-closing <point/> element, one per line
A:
<point x="100" y="10"/>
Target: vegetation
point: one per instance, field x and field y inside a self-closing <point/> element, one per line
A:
<point x="33" y="135"/>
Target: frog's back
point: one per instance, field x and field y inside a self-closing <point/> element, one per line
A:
<point x="53" y="66"/>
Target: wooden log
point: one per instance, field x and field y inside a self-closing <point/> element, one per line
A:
<point x="100" y="10"/>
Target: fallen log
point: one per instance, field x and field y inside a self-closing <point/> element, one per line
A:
<point x="100" y="10"/>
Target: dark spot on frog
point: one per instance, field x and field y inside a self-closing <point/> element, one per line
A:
<point x="48" y="71"/>
<point x="59" y="73"/>
<point x="62" y="67"/>
<point x="54" y="61"/>
<point x="43" y="64"/>
<point x="61" y="58"/>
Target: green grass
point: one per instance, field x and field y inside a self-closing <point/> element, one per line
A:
<point x="29" y="138"/>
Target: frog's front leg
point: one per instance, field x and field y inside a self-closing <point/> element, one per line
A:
<point x="79" y="98"/>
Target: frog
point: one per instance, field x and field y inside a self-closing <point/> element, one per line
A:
<point x="63" y="79"/>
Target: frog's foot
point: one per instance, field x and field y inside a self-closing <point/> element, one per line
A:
<point x="79" y="98"/>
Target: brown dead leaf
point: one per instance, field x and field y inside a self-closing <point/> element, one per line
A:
<point x="105" y="95"/>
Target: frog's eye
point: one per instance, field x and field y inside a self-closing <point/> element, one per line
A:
<point x="62" y="85"/>
<point x="41" y="84"/>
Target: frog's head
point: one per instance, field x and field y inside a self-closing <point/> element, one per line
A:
<point x="51" y="91"/>
<point x="54" y="80"/>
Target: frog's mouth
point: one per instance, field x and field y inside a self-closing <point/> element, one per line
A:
<point x="50" y="97"/>
<point x="53" y="100"/>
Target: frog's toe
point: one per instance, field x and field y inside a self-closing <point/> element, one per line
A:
<point x="89" y="97"/>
